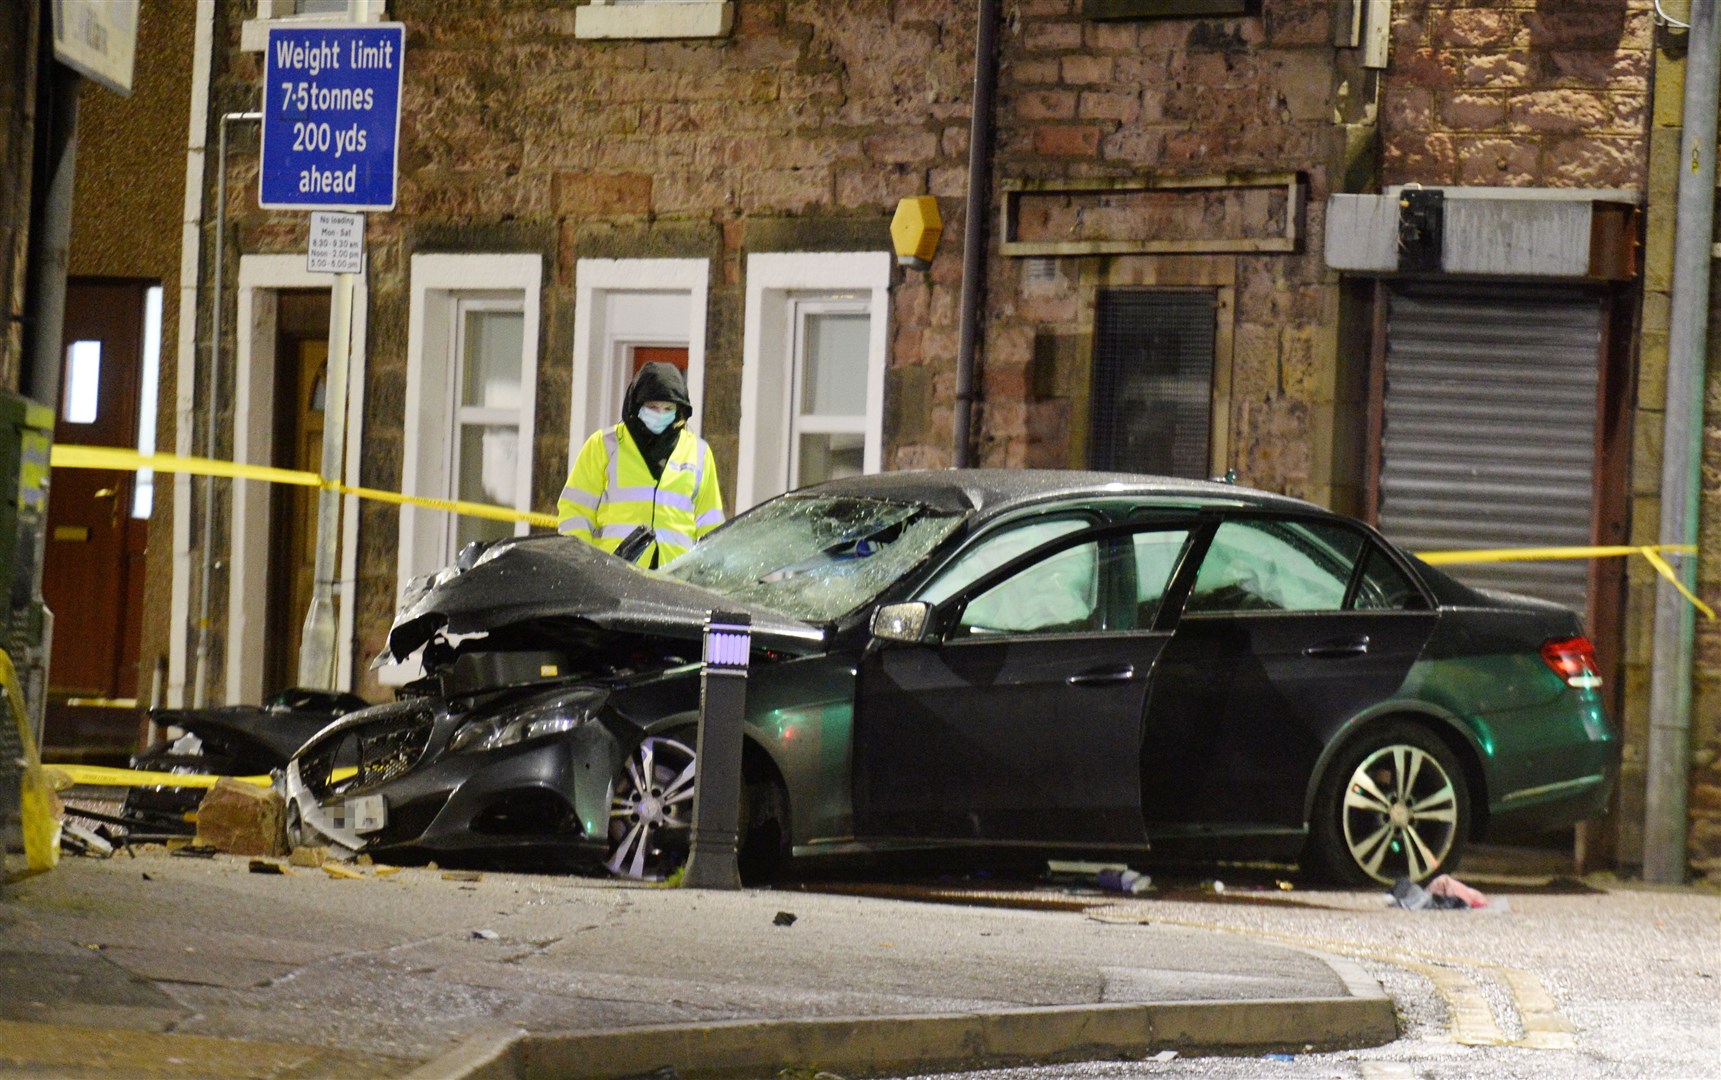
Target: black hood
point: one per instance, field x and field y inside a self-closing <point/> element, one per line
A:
<point x="539" y="578"/>
<point x="656" y="381"/>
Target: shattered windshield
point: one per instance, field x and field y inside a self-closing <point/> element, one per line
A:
<point x="816" y="558"/>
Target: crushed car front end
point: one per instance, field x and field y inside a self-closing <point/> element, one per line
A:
<point x="528" y="774"/>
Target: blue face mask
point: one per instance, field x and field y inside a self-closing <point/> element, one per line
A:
<point x="656" y="421"/>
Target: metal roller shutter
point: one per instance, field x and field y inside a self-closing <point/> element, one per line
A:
<point x="1489" y="430"/>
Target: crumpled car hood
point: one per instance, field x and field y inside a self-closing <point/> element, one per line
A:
<point x="548" y="577"/>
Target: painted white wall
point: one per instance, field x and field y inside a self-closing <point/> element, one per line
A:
<point x="260" y="277"/>
<point x="185" y="354"/>
<point x="618" y="302"/>
<point x="774" y="279"/>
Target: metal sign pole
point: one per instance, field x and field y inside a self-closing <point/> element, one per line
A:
<point x="711" y="862"/>
<point x="330" y="142"/>
<point x="317" y="643"/>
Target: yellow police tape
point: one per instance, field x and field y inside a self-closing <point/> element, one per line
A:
<point x="1651" y="552"/>
<point x="108" y="776"/>
<point x="96" y="457"/>
<point x="67" y="456"/>
<point x="102" y="457"/>
<point x="36" y="818"/>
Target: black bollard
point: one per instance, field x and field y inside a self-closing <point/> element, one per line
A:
<point x="711" y="860"/>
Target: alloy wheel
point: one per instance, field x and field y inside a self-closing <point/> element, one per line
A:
<point x="1400" y="814"/>
<point x="651" y="810"/>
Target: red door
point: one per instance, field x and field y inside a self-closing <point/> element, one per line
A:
<point x="670" y="354"/>
<point x="92" y="576"/>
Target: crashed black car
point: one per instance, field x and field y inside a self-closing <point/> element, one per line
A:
<point x="1038" y="661"/>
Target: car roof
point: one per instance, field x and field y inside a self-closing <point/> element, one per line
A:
<point x="989" y="491"/>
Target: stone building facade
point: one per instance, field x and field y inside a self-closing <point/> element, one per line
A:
<point x="17" y="130"/>
<point x="558" y="178"/>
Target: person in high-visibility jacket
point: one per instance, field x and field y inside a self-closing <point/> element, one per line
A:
<point x="646" y="472"/>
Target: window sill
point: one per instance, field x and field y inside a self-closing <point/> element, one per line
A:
<point x="254" y="33"/>
<point x="675" y="19"/>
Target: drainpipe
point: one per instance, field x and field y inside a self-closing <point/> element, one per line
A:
<point x="51" y="238"/>
<point x="211" y="409"/>
<point x="1669" y="766"/>
<point x="49" y="259"/>
<point x="974" y="229"/>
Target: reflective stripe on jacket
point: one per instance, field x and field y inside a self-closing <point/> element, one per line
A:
<point x="610" y="493"/>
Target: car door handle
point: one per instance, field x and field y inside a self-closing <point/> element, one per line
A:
<point x="1100" y="676"/>
<point x="1338" y="647"/>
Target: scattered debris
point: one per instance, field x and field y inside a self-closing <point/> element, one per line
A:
<point x="146" y="876"/>
<point x="193" y="851"/>
<point x="486" y="935"/>
<point x="266" y="866"/>
<point x="1280" y="1057"/>
<point x="784" y="918"/>
<point x="1164" y="1055"/>
<point x="1447" y="885"/>
<point x="1112" y="876"/>
<point x="1124" y="881"/>
<point x="1076" y="870"/>
<point x="81" y="841"/>
<point x="308" y="856"/>
<point x="462" y="875"/>
<point x="341" y="873"/>
<point x="387" y="871"/>
<point x="1444" y="892"/>
<point x="243" y="819"/>
<point x="364" y="860"/>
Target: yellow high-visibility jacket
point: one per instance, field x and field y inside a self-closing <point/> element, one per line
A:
<point x="610" y="493"/>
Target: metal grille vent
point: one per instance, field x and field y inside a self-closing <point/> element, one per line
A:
<point x="1489" y="431"/>
<point x="1153" y="382"/>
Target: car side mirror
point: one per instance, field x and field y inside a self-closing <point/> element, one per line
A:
<point x="902" y="622"/>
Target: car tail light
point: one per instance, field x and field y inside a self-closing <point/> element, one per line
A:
<point x="1574" y="660"/>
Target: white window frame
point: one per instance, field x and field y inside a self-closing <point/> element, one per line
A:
<point x="254" y="33"/>
<point x="803" y="423"/>
<point x="261" y="277"/>
<point x="775" y="281"/>
<point x="646" y="19"/>
<point x="463" y="415"/>
<point x="439" y="283"/>
<point x="597" y="381"/>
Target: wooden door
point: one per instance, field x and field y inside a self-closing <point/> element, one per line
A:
<point x="93" y="568"/>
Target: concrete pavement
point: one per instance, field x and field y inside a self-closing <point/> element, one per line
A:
<point x="169" y="966"/>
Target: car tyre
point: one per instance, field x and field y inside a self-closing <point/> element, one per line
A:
<point x="1393" y="804"/>
<point x="651" y="809"/>
<point x="764" y="854"/>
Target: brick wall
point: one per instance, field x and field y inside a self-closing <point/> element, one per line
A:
<point x="799" y="132"/>
<point x="1517" y="93"/>
<point x="1082" y="99"/>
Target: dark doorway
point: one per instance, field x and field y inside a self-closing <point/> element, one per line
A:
<point x="1153" y="381"/>
<point x="301" y="368"/>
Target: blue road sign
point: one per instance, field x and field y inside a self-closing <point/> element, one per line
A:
<point x="331" y="117"/>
